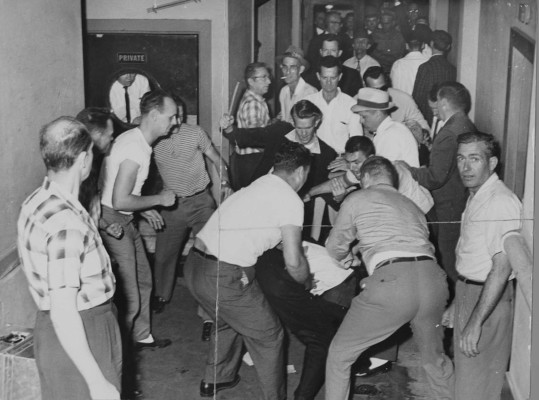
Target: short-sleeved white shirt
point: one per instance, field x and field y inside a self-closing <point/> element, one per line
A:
<point x="493" y="211"/>
<point x="130" y="145"/>
<point x="303" y="89"/>
<point x="339" y="123"/>
<point x="248" y="223"/>
<point x="394" y="141"/>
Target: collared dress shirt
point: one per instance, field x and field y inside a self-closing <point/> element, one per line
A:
<point x="117" y="97"/>
<point x="339" y="123"/>
<point x="287" y="100"/>
<point x="490" y="213"/>
<point x="404" y="71"/>
<point x="361" y="65"/>
<point x="253" y="112"/>
<point x="394" y="141"/>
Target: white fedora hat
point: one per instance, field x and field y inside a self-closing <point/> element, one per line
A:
<point x="372" y="99"/>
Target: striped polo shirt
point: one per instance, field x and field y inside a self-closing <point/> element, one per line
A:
<point x="180" y="160"/>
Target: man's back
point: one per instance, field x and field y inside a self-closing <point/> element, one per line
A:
<point x="404" y="71"/>
<point x="383" y="220"/>
<point x="248" y="222"/>
<point x="436" y="70"/>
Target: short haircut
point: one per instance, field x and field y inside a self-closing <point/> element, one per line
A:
<point x="95" y="118"/>
<point x="329" y="14"/>
<point x="180" y="104"/>
<point x="433" y="93"/>
<point x="492" y="145"/>
<point x="441" y="40"/>
<point x="330" y="62"/>
<point x="456" y="94"/>
<point x="330" y="37"/>
<point x="360" y="143"/>
<point x="154" y="99"/>
<point x="375" y="73"/>
<point x="304" y="109"/>
<point x="380" y="167"/>
<point x="290" y="156"/>
<point x="62" y="141"/>
<point x="250" y="70"/>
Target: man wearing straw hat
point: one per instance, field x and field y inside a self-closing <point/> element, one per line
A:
<point x="293" y="64"/>
<point x="392" y="139"/>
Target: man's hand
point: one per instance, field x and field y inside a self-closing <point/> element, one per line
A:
<point x="470" y="338"/>
<point x="339" y="164"/>
<point x="167" y="198"/>
<point x="225" y="123"/>
<point x="306" y="198"/>
<point x="115" y="230"/>
<point x="226" y="191"/>
<point x="448" y="319"/>
<point x="402" y="164"/>
<point x="154" y="219"/>
<point x="338" y="187"/>
<point x="103" y="391"/>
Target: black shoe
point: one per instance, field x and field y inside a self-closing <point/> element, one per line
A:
<point x="381" y="369"/>
<point x="209" y="389"/>
<point x="363" y="389"/>
<point x="156" y="344"/>
<point x="158" y="304"/>
<point x="206" y="331"/>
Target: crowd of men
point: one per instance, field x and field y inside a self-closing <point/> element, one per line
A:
<point x="353" y="176"/>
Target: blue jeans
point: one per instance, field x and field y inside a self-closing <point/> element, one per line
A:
<point x="133" y="274"/>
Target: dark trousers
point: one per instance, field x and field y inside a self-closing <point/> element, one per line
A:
<point x="59" y="377"/>
<point x="188" y="213"/>
<point x="311" y="319"/>
<point x="243" y="316"/>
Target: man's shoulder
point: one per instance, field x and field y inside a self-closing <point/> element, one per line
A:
<point x="326" y="150"/>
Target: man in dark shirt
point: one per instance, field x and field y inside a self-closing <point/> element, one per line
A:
<point x="436" y="70"/>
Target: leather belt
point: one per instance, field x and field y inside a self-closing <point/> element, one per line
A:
<point x="470" y="281"/>
<point x="402" y="259"/>
<point x="194" y="194"/>
<point x="204" y="254"/>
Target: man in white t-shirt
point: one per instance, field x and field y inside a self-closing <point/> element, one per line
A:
<point x="123" y="173"/>
<point x="249" y="222"/>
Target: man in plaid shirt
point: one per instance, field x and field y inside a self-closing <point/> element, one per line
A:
<point x="253" y="112"/>
<point x="77" y="338"/>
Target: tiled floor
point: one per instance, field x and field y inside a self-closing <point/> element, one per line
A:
<point x="174" y="373"/>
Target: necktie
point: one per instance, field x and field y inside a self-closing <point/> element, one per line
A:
<point x="359" y="72"/>
<point x="127" y="106"/>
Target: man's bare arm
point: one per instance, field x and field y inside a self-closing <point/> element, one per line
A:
<point x="489" y="298"/>
<point x="294" y="258"/>
<point x="70" y="331"/>
<point x="123" y="200"/>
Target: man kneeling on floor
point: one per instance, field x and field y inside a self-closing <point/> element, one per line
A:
<point x="248" y="223"/>
<point x="404" y="285"/>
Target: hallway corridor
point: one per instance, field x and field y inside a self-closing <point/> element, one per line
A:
<point x="174" y="373"/>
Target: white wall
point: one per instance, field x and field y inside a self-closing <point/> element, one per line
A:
<point x="213" y="10"/>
